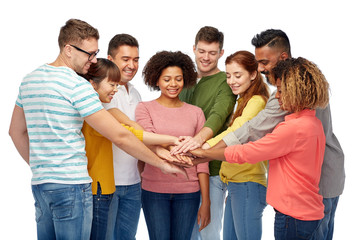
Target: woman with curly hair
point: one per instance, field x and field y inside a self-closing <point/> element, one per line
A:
<point x="295" y="150"/>
<point x="170" y="203"/>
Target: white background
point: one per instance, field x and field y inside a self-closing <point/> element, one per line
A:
<point x="325" y="32"/>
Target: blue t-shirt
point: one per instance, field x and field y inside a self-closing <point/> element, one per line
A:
<point x="55" y="101"/>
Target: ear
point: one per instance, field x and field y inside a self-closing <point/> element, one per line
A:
<point x="93" y="83"/>
<point x="67" y="50"/>
<point x="221" y="53"/>
<point x="284" y="56"/>
<point x="110" y="58"/>
<point x="194" y="48"/>
<point x="253" y="76"/>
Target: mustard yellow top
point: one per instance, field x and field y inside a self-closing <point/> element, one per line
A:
<point x="100" y="158"/>
<point x="234" y="172"/>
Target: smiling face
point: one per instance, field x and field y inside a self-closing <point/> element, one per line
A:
<point x="171" y="82"/>
<point x="106" y="89"/>
<point x="206" y="57"/>
<point x="267" y="58"/>
<point x="127" y="60"/>
<point x="238" y="78"/>
<point x="79" y="60"/>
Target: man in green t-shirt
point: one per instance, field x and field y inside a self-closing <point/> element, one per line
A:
<point x="215" y="98"/>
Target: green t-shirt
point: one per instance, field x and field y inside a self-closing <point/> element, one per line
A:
<point x="215" y="98"/>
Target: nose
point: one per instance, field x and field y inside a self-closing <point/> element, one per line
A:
<point x="131" y="64"/>
<point x="94" y="60"/>
<point x="230" y="80"/>
<point x="277" y="95"/>
<point x="261" y="67"/>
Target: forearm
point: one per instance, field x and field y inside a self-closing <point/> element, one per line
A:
<point x="124" y="119"/>
<point x="215" y="153"/>
<point x="150" y="138"/>
<point x="204" y="188"/>
<point x="21" y="142"/>
<point x="204" y="134"/>
<point x="18" y="133"/>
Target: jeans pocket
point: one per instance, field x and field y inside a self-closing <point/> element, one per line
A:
<point x="305" y="229"/>
<point x="61" y="202"/>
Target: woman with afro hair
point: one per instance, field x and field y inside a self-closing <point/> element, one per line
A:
<point x="171" y="203"/>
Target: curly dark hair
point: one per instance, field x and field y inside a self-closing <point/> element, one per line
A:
<point x="161" y="60"/>
<point x="303" y="85"/>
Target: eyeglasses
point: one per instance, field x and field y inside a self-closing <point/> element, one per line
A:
<point x="91" y="55"/>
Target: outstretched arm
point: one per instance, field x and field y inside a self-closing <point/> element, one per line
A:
<point x="103" y="122"/>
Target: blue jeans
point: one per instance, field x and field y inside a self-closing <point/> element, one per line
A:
<point x="243" y="211"/>
<point x="289" y="228"/>
<point x="217" y="199"/>
<point x="170" y="216"/>
<point x="101" y="204"/>
<point x="326" y="228"/>
<point x="63" y="211"/>
<point x="124" y="212"/>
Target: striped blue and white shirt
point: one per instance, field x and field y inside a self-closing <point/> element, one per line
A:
<point x="55" y="101"/>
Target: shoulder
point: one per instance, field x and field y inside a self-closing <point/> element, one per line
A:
<point x="257" y="99"/>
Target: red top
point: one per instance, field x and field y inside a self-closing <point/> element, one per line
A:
<point x="295" y="150"/>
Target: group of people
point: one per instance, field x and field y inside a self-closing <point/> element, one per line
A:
<point x="211" y="139"/>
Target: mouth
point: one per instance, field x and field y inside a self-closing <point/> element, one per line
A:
<point x="173" y="91"/>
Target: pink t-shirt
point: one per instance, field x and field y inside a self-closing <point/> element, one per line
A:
<point x="295" y="150"/>
<point x="186" y="120"/>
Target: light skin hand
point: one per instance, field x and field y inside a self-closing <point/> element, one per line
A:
<point x="189" y="143"/>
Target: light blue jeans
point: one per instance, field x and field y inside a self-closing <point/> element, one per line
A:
<point x="124" y="212"/>
<point x="63" y="211"/>
<point x="243" y="211"/>
<point x="326" y="228"/>
<point x="217" y="199"/>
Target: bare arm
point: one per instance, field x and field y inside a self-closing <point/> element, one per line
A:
<point x="103" y="122"/>
<point x="148" y="137"/>
<point x="123" y="118"/>
<point x="18" y="133"/>
<point x="203" y="217"/>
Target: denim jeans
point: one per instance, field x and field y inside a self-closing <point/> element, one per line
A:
<point x="326" y="228"/>
<point x="243" y="211"/>
<point x="170" y="216"/>
<point x="101" y="204"/>
<point x="124" y="213"/>
<point x="289" y="228"/>
<point x="63" y="211"/>
<point x="217" y="199"/>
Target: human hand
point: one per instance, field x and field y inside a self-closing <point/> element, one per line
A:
<point x="168" y="168"/>
<point x="186" y="143"/>
<point x="179" y="160"/>
<point x="203" y="217"/>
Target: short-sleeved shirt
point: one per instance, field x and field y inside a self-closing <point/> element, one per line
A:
<point x="55" y="101"/>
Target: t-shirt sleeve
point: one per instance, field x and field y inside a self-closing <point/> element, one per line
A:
<point x="85" y="100"/>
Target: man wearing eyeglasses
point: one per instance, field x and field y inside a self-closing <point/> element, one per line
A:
<point x="46" y="124"/>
